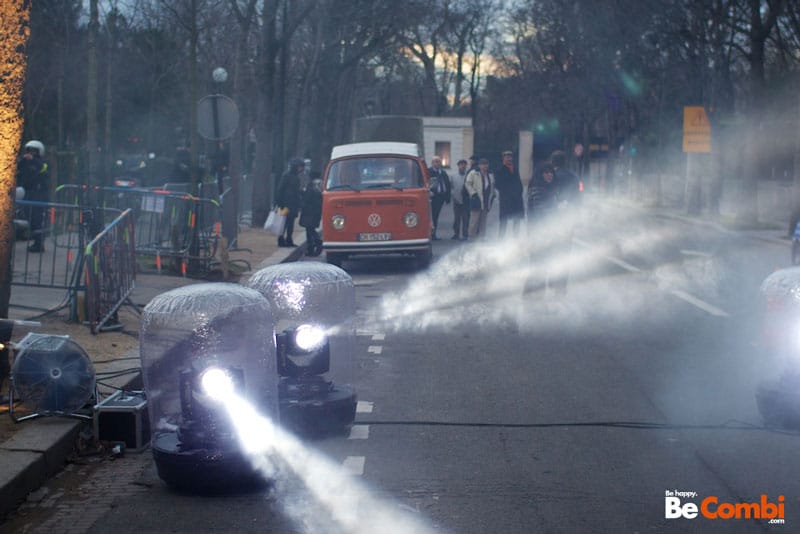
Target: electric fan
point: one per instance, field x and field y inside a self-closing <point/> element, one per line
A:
<point x="52" y="375"/>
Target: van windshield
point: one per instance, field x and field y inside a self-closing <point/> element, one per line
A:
<point x="374" y="173"/>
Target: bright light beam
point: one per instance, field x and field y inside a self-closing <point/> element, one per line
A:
<point x="349" y="503"/>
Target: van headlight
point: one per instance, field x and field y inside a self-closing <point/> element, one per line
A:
<point x="337" y="221"/>
<point x="410" y="219"/>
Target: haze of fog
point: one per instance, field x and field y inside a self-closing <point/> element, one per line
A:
<point x="709" y="379"/>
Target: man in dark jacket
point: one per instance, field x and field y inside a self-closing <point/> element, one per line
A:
<point x="567" y="181"/>
<point x="440" y="191"/>
<point x="311" y="216"/>
<point x="289" y="198"/>
<point x="34" y="176"/>
<point x="508" y="183"/>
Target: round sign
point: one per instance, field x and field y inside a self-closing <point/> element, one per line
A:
<point x="217" y="117"/>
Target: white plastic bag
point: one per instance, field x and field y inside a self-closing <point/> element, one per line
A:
<point x="275" y="222"/>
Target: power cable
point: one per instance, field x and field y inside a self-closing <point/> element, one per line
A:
<point x="639" y="425"/>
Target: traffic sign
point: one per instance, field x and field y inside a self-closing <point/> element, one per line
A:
<point x="696" y="130"/>
<point x="217" y="117"/>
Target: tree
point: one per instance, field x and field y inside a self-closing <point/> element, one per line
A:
<point x="14" y="32"/>
<point x="760" y="20"/>
<point x="275" y="35"/>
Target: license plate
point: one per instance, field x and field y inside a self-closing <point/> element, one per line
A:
<point x="381" y="236"/>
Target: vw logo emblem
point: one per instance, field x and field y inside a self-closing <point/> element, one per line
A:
<point x="374" y="219"/>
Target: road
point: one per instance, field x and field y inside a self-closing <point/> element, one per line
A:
<point x="485" y="410"/>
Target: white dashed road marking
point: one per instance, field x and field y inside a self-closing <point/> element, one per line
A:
<point x="624" y="264"/>
<point x="359" y="432"/>
<point x="375" y="349"/>
<point x="364" y="407"/>
<point x="354" y="465"/>
<point x="700" y="253"/>
<point x="378" y="337"/>
<point x="694" y="301"/>
<point x="683" y="295"/>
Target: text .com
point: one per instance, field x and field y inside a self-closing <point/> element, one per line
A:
<point x="711" y="508"/>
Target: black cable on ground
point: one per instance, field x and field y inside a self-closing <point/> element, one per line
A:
<point x="639" y="425"/>
<point x="120" y="359"/>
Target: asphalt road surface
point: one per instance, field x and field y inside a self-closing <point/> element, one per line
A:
<point x="484" y="409"/>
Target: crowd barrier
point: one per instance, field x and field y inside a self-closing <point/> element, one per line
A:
<point x="110" y="272"/>
<point x="63" y="232"/>
<point x="175" y="228"/>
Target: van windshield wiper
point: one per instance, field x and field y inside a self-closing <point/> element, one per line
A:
<point x="379" y="186"/>
<point x="342" y="186"/>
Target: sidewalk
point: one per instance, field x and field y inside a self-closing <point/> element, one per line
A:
<point x="34" y="450"/>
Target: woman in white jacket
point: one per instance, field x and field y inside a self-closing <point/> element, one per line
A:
<point x="479" y="184"/>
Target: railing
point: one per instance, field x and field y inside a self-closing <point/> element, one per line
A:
<point x="178" y="228"/>
<point x="60" y="235"/>
<point x="110" y="268"/>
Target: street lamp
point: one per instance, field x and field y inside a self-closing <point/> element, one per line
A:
<point x="220" y="75"/>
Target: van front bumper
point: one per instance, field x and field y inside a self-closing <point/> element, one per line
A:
<point x="375" y="247"/>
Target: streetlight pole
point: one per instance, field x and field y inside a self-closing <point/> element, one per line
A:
<point x="220" y="76"/>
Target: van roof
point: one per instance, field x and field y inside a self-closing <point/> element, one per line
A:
<point x="379" y="147"/>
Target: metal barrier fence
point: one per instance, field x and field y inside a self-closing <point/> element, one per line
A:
<point x="49" y="242"/>
<point x="175" y="227"/>
<point x="62" y="231"/>
<point x="110" y="268"/>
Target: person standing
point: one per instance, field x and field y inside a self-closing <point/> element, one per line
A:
<point x="542" y="196"/>
<point x="553" y="199"/>
<point x="440" y="188"/>
<point x="289" y="198"/>
<point x="542" y="201"/>
<point x="473" y="163"/>
<point x="509" y="184"/>
<point x="311" y="215"/>
<point x="460" y="202"/>
<point x="480" y="188"/>
<point x="34" y="176"/>
<point x="568" y="182"/>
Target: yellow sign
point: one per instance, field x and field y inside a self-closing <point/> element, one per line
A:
<point x="696" y="130"/>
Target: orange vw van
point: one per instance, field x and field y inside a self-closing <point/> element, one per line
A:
<point x="375" y="201"/>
